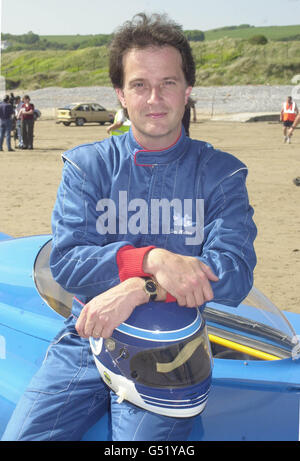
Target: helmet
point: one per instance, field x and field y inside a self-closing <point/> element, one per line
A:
<point x="159" y="360"/>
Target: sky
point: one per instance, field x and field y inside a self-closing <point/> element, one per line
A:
<point x="68" y="17"/>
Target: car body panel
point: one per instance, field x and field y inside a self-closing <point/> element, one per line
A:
<point x="249" y="399"/>
<point x="88" y="112"/>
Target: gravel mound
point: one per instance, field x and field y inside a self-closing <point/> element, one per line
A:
<point x="209" y="100"/>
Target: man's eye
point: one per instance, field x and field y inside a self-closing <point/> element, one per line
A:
<point x="168" y="83"/>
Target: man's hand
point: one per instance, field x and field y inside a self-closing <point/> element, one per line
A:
<point x="184" y="277"/>
<point x="105" y="312"/>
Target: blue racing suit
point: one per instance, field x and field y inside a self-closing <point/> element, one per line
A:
<point x="108" y="213"/>
<point x="84" y="260"/>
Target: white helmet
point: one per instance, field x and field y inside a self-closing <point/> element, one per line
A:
<point x="159" y="360"/>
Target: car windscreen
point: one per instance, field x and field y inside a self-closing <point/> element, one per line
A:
<point x="51" y="292"/>
<point x="255" y="319"/>
<point x="69" y="106"/>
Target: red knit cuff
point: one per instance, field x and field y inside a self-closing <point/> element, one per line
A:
<point x="130" y="261"/>
<point x="170" y="298"/>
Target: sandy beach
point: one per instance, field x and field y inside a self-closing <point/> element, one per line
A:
<point x="29" y="181"/>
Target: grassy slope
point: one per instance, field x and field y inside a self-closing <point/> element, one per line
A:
<point x="66" y="39"/>
<point x="39" y="69"/>
<point x="226" y="61"/>
<point x="271" y="32"/>
<point x="236" y="62"/>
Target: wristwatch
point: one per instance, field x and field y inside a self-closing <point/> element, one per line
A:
<point x="150" y="288"/>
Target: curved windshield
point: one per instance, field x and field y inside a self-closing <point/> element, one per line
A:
<point x="54" y="295"/>
<point x="256" y="323"/>
<point x="70" y="106"/>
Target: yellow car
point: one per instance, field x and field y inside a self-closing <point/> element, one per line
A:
<point x="81" y="113"/>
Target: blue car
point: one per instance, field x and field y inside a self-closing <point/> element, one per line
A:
<point x="256" y="373"/>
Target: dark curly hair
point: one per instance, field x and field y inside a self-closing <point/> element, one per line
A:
<point x="144" y="31"/>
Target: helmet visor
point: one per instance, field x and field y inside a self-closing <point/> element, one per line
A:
<point x="182" y="364"/>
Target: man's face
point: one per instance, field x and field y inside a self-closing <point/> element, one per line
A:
<point x="155" y="93"/>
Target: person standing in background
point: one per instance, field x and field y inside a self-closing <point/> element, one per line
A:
<point x="121" y="123"/>
<point x="18" y="104"/>
<point x="187" y="115"/>
<point x="6" y="112"/>
<point x="288" y="114"/>
<point x="26" y="115"/>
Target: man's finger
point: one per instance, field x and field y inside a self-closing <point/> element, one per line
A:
<point x="97" y="332"/>
<point x="91" y="323"/>
<point x="191" y="300"/>
<point x="208" y="272"/>
<point x="181" y="300"/>
<point x="79" y="326"/>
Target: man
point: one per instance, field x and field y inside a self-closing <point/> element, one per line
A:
<point x="120" y="125"/>
<point x="288" y="114"/>
<point x="6" y="112"/>
<point x="19" y="104"/>
<point x="26" y="115"/>
<point x="103" y="258"/>
<point x="187" y="115"/>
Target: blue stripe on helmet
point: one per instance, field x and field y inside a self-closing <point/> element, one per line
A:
<point x="161" y="336"/>
<point x="176" y="404"/>
<point x="194" y="400"/>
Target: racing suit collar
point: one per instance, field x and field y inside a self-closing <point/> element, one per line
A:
<point x="144" y="157"/>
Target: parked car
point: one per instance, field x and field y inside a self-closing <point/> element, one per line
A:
<point x="81" y="113"/>
<point x="255" y="347"/>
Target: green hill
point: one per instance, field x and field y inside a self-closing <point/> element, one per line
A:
<point x="245" y="31"/>
<point x="226" y="61"/>
<point x="40" y="69"/>
<point x="238" y="62"/>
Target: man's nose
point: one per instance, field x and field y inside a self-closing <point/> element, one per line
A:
<point x="155" y="95"/>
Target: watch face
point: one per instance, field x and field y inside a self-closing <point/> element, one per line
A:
<point x="150" y="286"/>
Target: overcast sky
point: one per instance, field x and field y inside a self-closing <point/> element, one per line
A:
<point x="63" y="17"/>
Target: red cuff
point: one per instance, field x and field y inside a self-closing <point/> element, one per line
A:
<point x="170" y="298"/>
<point x="130" y="261"/>
<point x="130" y="264"/>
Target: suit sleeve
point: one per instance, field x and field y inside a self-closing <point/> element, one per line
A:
<point x="82" y="260"/>
<point x="229" y="233"/>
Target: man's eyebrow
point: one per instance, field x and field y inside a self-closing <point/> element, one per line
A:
<point x="138" y="79"/>
<point x="172" y="77"/>
<point x="143" y="79"/>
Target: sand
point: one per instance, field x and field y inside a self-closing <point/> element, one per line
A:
<point x="29" y="181"/>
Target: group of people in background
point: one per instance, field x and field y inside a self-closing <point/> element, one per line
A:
<point x="17" y="114"/>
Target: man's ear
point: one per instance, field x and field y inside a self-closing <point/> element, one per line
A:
<point x="188" y="93"/>
<point x="121" y="97"/>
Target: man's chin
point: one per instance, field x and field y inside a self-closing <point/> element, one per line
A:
<point x="156" y="129"/>
<point x="156" y="137"/>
